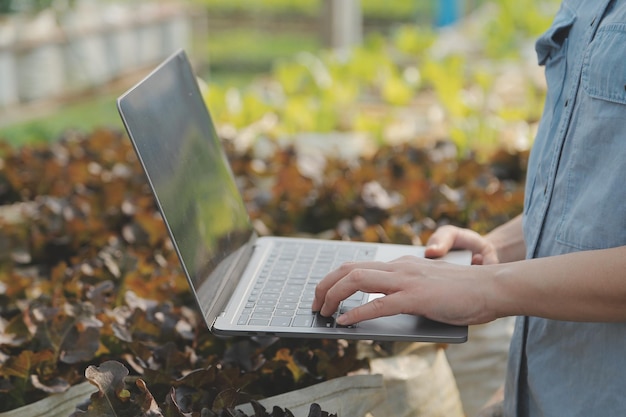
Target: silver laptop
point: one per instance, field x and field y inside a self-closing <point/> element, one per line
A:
<point x="244" y="284"/>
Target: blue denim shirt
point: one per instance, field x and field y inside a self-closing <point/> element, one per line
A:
<point x="575" y="200"/>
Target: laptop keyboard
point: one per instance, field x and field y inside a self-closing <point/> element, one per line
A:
<point x="285" y="288"/>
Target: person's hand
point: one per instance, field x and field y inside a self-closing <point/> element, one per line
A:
<point x="439" y="290"/>
<point x="447" y="238"/>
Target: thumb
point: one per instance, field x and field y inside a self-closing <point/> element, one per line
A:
<point x="441" y="241"/>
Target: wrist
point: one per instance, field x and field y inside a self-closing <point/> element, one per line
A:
<point x="501" y="295"/>
<point x="508" y="241"/>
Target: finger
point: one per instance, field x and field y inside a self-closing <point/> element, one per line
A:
<point x="358" y="279"/>
<point x="338" y="274"/>
<point x="488" y="258"/>
<point x="450" y="237"/>
<point x="441" y="241"/>
<point x="325" y="284"/>
<point x="477" y="259"/>
<point x="378" y="307"/>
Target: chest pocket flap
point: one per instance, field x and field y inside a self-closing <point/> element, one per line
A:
<point x="604" y="70"/>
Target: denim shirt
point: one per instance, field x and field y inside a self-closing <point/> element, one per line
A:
<point x="575" y="200"/>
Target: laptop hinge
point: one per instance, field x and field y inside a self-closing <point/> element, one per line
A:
<point x="235" y="268"/>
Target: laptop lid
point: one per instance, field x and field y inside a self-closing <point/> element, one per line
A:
<point x="176" y="142"/>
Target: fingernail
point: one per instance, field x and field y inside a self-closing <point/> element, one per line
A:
<point x="342" y="319"/>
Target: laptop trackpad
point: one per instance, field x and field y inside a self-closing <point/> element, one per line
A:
<point x="374" y="296"/>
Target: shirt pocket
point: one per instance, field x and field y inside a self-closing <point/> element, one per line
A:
<point x="604" y="68"/>
<point x="594" y="213"/>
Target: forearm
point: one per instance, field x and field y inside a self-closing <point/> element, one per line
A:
<point x="508" y="239"/>
<point x="584" y="286"/>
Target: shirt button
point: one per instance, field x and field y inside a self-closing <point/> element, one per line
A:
<point x="566" y="103"/>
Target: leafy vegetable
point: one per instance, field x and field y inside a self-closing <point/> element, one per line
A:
<point x="92" y="288"/>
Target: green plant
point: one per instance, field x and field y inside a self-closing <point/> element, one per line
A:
<point x="88" y="275"/>
<point x="276" y="7"/>
<point x="371" y="9"/>
<point x="90" y="282"/>
<point x="81" y="116"/>
<point x="364" y="90"/>
<point x="516" y="22"/>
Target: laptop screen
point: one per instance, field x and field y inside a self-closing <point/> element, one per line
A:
<point x="175" y="140"/>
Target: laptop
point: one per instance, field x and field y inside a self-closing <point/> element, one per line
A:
<point x="244" y="284"/>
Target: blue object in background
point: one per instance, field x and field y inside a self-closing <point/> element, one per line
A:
<point x="447" y="12"/>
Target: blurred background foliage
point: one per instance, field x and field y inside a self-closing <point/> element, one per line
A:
<point x="477" y="81"/>
<point x="267" y="57"/>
